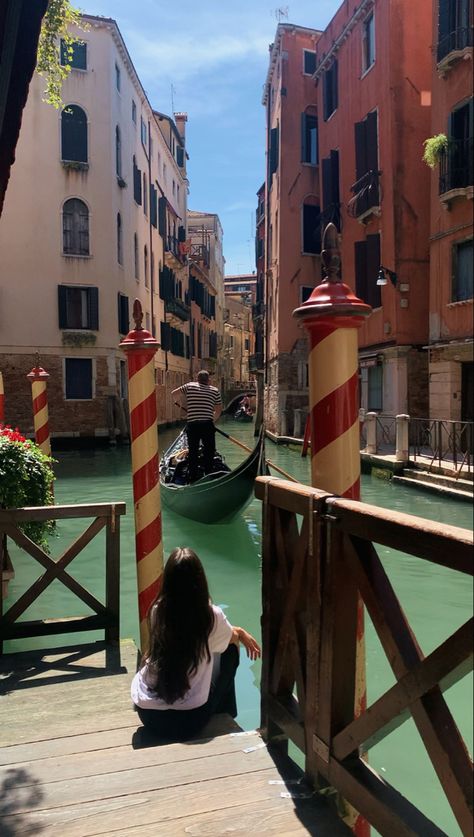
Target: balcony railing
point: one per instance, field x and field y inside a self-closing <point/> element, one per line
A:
<point x="456" y="167"/>
<point x="178" y="308"/>
<point x="455" y="41"/>
<point x="366" y="194"/>
<point x="199" y="253"/>
<point x="256" y="363"/>
<point x="172" y="245"/>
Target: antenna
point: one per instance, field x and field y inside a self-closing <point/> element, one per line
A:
<point x="173" y="91"/>
<point x="281" y="12"/>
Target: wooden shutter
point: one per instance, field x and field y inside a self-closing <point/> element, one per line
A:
<point x="304" y="150"/>
<point x="327" y="182"/>
<point x="444" y="28"/>
<point x="162" y="217"/>
<point x="62" y="306"/>
<point x="334" y="85"/>
<point x="360" y="149"/>
<point x="93" y="308"/>
<point x="273" y="150"/>
<point x="123" y="314"/>
<point x="371" y="139"/>
<point x="181" y="233"/>
<point x="180" y="156"/>
<point x="153" y="206"/>
<point x="360" y="255"/>
<point x="165" y="336"/>
<point x="374" y="296"/>
<point x="73" y="134"/>
<point x="311" y="229"/>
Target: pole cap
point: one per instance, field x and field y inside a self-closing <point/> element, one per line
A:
<point x="332" y="298"/>
<point x="139" y="337"/>
<point x="37" y="373"/>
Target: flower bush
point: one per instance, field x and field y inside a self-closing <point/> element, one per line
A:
<point x="26" y="478"/>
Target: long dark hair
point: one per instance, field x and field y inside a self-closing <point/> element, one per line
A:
<point x="180" y="621"/>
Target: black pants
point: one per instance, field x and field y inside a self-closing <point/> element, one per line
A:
<point x="205" y="432"/>
<point x="181" y="724"/>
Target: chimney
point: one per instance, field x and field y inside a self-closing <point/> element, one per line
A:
<point x="180" y="120"/>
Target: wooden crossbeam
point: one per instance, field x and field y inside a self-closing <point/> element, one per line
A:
<point x="445" y="666"/>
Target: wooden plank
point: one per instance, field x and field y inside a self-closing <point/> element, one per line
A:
<point x="443" y="667"/>
<point x="286" y="714"/>
<point x="313" y="623"/>
<point x="14" y="516"/>
<point x="290" y="496"/>
<point x="439" y="543"/>
<point x="52" y="627"/>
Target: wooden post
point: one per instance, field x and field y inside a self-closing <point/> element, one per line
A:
<point x="140" y="347"/>
<point x="332" y="315"/>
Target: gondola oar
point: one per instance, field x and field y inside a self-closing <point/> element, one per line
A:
<point x="246" y="447"/>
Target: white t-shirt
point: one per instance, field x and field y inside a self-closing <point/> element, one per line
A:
<point x="199" y="682"/>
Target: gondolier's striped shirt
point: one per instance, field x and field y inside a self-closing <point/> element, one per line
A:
<point x="200" y="401"/>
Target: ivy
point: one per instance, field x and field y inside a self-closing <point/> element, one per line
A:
<point x="435" y="147"/>
<point x="59" y="16"/>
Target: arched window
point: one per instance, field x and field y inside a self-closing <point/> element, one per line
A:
<point x="119" y="239"/>
<point x="75" y="228"/>
<point x="145" y="195"/>
<point x="145" y="264"/>
<point x="118" y="152"/>
<point x="135" y="256"/>
<point x="73" y="134"/>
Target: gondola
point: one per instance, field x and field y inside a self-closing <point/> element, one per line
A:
<point x="214" y="498"/>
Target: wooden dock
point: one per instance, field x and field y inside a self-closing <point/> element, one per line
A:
<point x="75" y="761"/>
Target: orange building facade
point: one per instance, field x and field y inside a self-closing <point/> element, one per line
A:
<point x="451" y="232"/>
<point x="373" y="82"/>
<point x="292" y="240"/>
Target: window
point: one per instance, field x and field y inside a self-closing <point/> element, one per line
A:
<point x="153" y="205"/>
<point x="78" y="378"/>
<point x="309" y="62"/>
<point x="78" y="307"/>
<point x="118" y="81"/>
<point x="330" y="90"/>
<point x="134" y="112"/>
<point x="164" y="173"/>
<point x="273" y="152"/>
<point x="368" y="42"/>
<point x="180" y="156"/>
<point x="367" y="264"/>
<point x="309" y="139"/>
<point x="74" y="54"/>
<point x="75" y="228"/>
<point x="462" y="271"/>
<point x="143" y="131"/>
<point x="311" y="229"/>
<point x="375" y="387"/>
<point x="454" y="26"/>
<point x="73" y="134"/>
<point x="331" y="200"/>
<point x="177" y="193"/>
<point x="145" y="264"/>
<point x="118" y="152"/>
<point x="145" y="195"/>
<point x="135" y="257"/>
<point x="123" y="314"/>
<point x="119" y="239"/>
<point x="174" y="188"/>
<point x="366" y="188"/>
<point x="137" y="182"/>
<point x="457" y="166"/>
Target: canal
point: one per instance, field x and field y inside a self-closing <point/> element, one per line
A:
<point x="435" y="600"/>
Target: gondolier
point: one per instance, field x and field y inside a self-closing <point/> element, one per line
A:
<point x="203" y="406"/>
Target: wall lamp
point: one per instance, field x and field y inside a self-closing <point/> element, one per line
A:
<point x="382" y="275"/>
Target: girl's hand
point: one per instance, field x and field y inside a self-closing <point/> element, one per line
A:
<point x="250" y="644"/>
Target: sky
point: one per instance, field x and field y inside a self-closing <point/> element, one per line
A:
<point x="210" y="59"/>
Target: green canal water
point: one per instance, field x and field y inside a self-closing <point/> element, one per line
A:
<point x="435" y="600"/>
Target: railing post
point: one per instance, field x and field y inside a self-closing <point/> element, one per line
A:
<point x="140" y="347"/>
<point x="112" y="578"/>
<point x="371" y="425"/>
<point x="401" y="451"/>
<point x="332" y="315"/>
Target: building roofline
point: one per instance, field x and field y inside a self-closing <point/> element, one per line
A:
<point x="274" y="50"/>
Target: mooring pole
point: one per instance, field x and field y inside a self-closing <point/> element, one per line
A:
<point x="38" y="378"/>
<point x="332" y="316"/>
<point x="140" y="347"/>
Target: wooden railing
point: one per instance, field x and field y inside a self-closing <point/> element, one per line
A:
<point x="318" y="558"/>
<point x="105" y="616"/>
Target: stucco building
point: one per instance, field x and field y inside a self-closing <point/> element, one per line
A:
<point x="292" y="218"/>
<point x="373" y="83"/>
<point x="94" y="217"/>
<point x="451" y="223"/>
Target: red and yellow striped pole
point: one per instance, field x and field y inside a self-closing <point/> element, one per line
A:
<point x="332" y="315"/>
<point x="140" y="347"/>
<point x="38" y="377"/>
<point x="2" y="400"/>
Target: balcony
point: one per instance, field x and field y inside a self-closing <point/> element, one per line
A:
<point x="200" y="253"/>
<point x="453" y="46"/>
<point x="258" y="310"/>
<point x="456" y="170"/>
<point x="256" y="362"/>
<point x="175" y="252"/>
<point x="366" y="200"/>
<point x="177" y="308"/>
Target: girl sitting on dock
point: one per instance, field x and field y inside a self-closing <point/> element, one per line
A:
<point x="178" y="688"/>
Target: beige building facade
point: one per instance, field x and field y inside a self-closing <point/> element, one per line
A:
<point x="94" y="217"/>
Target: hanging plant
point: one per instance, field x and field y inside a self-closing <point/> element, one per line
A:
<point x="59" y="16"/>
<point x="26" y="478"/>
<point x="435" y="147"/>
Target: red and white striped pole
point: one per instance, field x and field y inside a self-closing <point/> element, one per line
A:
<point x="38" y="377"/>
<point x="140" y="347"/>
<point x="332" y="315"/>
<point x="2" y="400"/>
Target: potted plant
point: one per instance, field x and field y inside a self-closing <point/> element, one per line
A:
<point x="26" y="479"/>
<point x="435" y="147"/>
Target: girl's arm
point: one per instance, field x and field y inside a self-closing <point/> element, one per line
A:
<point x="248" y="641"/>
